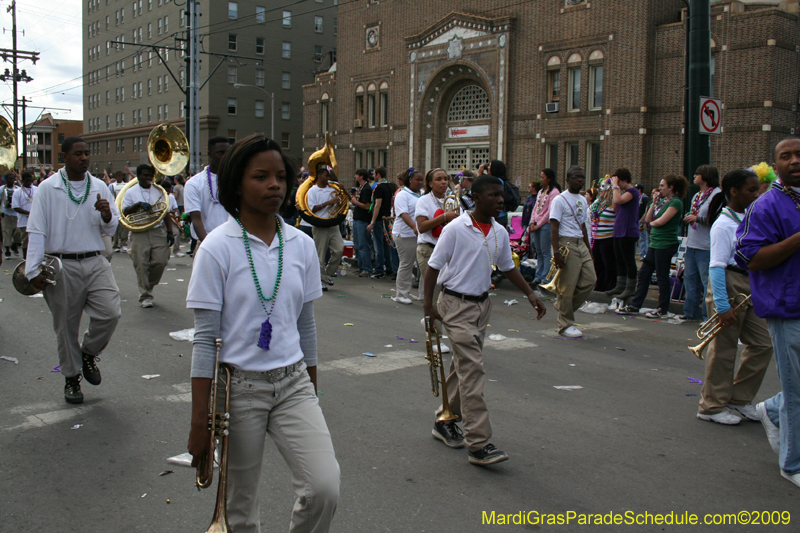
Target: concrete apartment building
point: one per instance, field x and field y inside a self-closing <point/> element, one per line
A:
<point x="128" y="89"/>
<point x="44" y="138"/>
<point x="549" y="83"/>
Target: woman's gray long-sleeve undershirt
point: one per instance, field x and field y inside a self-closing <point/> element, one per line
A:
<point x="206" y="331"/>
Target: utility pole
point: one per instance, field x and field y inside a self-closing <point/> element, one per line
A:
<point x="193" y="89"/>
<point x="24" y="136"/>
<point x="696" y="147"/>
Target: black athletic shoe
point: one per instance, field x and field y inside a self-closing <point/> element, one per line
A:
<point x="324" y="288"/>
<point x="378" y="275"/>
<point x="488" y="455"/>
<point x="15" y="250"/>
<point x="449" y="433"/>
<point x="90" y="371"/>
<point x="8" y="253"/>
<point x="72" y="390"/>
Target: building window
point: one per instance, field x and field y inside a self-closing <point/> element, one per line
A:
<point x="166" y="111"/>
<point x="383" y="158"/>
<point x="318" y="24"/>
<point x="260" y="45"/>
<point x="160" y="27"/>
<point x="384" y="109"/>
<point x="323" y="112"/>
<point x="233" y="10"/>
<point x="166" y="83"/>
<point x="359" y="159"/>
<point x="573" y="152"/>
<point x="287" y="19"/>
<point x="232" y="42"/>
<point x="259" y="108"/>
<point x="149" y="30"/>
<point x="231" y="106"/>
<point x="335" y="26"/>
<point x="593" y="161"/>
<point x="231" y="136"/>
<point x="286" y="80"/>
<point x="285" y="140"/>
<point x="232" y="74"/>
<point x="286" y="50"/>
<point x="166" y="24"/>
<point x="159" y="115"/>
<point x="149" y="115"/>
<point x="574" y="81"/>
<point x="149" y="87"/>
<point x="370" y="159"/>
<point x="286" y="109"/>
<point x="554" y="86"/>
<point x="182" y="109"/>
<point x="470" y="103"/>
<point x="596" y="87"/>
<point x="261" y="14"/>
<point x="260" y="77"/>
<point x="159" y="84"/>
<point x="371" y="111"/>
<point x="551" y="157"/>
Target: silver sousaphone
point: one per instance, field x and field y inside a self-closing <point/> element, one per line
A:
<point x="50" y="267"/>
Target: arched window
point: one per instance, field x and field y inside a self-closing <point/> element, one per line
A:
<point x="574" y="82"/>
<point x="372" y="105"/>
<point x="324" y="103"/>
<point x="359" y="119"/>
<point x="596" y="80"/>
<point x="469" y="103"/>
<point x="384" y="104"/>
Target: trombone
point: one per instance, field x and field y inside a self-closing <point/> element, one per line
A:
<point x="436" y="365"/>
<point x="709" y="329"/>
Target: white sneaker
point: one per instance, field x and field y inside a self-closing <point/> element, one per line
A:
<point x="725" y="417"/>
<point x="748" y="411"/>
<point x="116" y="250"/>
<point x="445" y="348"/>
<point x="773" y="432"/>
<point x="401" y="300"/>
<point x="124" y="248"/>
<point x="147" y="303"/>
<point x="794" y="478"/>
<point x="415" y="297"/>
<point x="180" y="254"/>
<point x="571" y="332"/>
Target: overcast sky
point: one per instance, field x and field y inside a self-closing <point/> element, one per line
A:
<point x="54" y="29"/>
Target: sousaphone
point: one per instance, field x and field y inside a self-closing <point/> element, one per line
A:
<point x="168" y="151"/>
<point x="338" y="211"/>
<point x="8" y="146"/>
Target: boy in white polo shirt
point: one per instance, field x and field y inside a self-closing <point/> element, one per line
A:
<point x="469" y="249"/>
<point x="21" y="202"/>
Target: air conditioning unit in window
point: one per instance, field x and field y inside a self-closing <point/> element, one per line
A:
<point x="551" y="107"/>
<point x="358" y="123"/>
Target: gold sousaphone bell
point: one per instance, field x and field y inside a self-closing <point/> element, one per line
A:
<point x="8" y="146"/>
<point x="168" y="151"/>
<point x="339" y="211"/>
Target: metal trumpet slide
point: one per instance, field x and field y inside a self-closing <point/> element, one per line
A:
<point x="218" y="423"/>
<point x="436" y="365"/>
<point x="555" y="272"/>
<point x="709" y="329"/>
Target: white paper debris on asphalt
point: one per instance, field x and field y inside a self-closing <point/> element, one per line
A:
<point x="567" y="387"/>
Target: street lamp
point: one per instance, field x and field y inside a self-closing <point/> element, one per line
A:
<point x="272" y="105"/>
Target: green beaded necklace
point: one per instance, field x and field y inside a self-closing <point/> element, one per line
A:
<point x="72" y="197"/>
<point x="266" y="327"/>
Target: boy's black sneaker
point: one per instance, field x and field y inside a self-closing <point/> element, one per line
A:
<point x="90" y="371"/>
<point x="7" y="253"/>
<point x="488" y="455"/>
<point x="72" y="390"/>
<point x="378" y="275"/>
<point x="449" y="433"/>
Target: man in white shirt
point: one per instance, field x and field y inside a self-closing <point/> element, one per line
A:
<point x="201" y="196"/>
<point x="75" y="235"/>
<point x="120" y="238"/>
<point x="321" y="199"/>
<point x="12" y="238"/>
<point x="21" y="203"/>
<point x="149" y="249"/>
<point x="569" y="214"/>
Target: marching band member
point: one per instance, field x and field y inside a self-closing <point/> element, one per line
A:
<point x="12" y="239"/>
<point x="321" y="199"/>
<point x="87" y="282"/>
<point x="405" y="233"/>
<point x="256" y="267"/>
<point x="721" y="389"/>
<point x="120" y="238"/>
<point x="469" y="249"/>
<point x="149" y="249"/>
<point x="569" y="214"/>
<point x="200" y="196"/>
<point x="768" y="246"/>
<point x="21" y="203"/>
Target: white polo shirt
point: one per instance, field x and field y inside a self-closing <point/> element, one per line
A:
<point x="222" y="281"/>
<point x="427" y="207"/>
<point x="150" y="195"/>
<point x="462" y="256"/>
<point x="319" y="195"/>
<point x="723" y="239"/>
<point x="6" y="208"/>
<point x="197" y="197"/>
<point x="404" y="202"/>
<point x="23" y="199"/>
<point x="572" y="214"/>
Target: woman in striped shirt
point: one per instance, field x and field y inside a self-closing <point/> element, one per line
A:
<point x="602" y="218"/>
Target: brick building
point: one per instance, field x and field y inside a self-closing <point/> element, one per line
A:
<point x="44" y="138"/>
<point x="266" y="52"/>
<point x="549" y="83"/>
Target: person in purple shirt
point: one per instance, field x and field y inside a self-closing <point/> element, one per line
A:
<point x="768" y="245"/>
<point x="625" y="202"/>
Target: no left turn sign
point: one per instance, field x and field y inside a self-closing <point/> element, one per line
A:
<point x="710" y="115"/>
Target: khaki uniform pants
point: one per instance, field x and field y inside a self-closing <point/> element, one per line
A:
<point x="86" y="285"/>
<point x="406" y="251"/>
<point x="10" y="233"/>
<point x="289" y="412"/>
<point x="120" y="237"/>
<point x="576" y="281"/>
<point x="324" y="239"/>
<point x="721" y="386"/>
<point x="150" y="254"/>
<point x="465" y="323"/>
<point x="424" y="252"/>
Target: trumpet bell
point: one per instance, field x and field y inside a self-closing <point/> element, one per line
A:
<point x="168" y="149"/>
<point x="8" y="146"/>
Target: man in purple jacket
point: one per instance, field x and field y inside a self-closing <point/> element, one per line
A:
<point x="769" y="247"/>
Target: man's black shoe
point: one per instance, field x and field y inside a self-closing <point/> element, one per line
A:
<point x="378" y="275"/>
<point x="72" y="390"/>
<point x="330" y="282"/>
<point x="324" y="288"/>
<point x="8" y="253"/>
<point x="15" y="249"/>
<point x="90" y="371"/>
<point x="449" y="433"/>
<point x="488" y="455"/>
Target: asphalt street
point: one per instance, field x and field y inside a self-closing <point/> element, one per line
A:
<point x="628" y="440"/>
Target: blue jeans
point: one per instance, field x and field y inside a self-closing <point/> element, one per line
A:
<point x="783" y="409"/>
<point x="544" y="252"/>
<point x="383" y="249"/>
<point x="695" y="280"/>
<point x="644" y="242"/>
<point x="363" y="245"/>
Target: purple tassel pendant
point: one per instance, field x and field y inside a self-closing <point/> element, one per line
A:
<point x="266" y="335"/>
